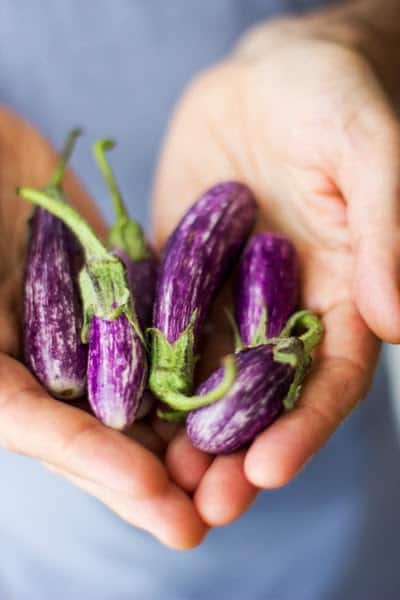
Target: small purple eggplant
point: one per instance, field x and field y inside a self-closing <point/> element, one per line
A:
<point x="127" y="241"/>
<point x="195" y="262"/>
<point x="268" y="381"/>
<point x="117" y="367"/>
<point x="53" y="348"/>
<point x="267" y="288"/>
<point x="115" y="343"/>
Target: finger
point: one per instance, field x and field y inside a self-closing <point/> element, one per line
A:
<point x="170" y="517"/>
<point x="146" y="437"/>
<point x="369" y="176"/>
<point x="34" y="424"/>
<point x="185" y="464"/>
<point x="341" y="377"/>
<point x="224" y="492"/>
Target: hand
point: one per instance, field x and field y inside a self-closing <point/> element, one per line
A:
<point x="305" y="122"/>
<point x="117" y="469"/>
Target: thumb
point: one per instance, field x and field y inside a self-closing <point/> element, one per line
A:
<point x="370" y="182"/>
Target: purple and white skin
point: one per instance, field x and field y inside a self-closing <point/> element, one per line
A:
<point x="117" y="365"/>
<point x="111" y="389"/>
<point x="195" y="262"/>
<point x="126" y="241"/>
<point x="266" y="289"/>
<point x="52" y="311"/>
<point x="268" y="381"/>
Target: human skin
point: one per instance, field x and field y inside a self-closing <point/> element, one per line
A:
<point x="303" y="112"/>
<point x="300" y="115"/>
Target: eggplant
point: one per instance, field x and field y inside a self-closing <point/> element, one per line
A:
<point x="195" y="262"/>
<point x="52" y="312"/>
<point x="268" y="381"/>
<point x="113" y="348"/>
<point x="127" y="242"/>
<point x="117" y="367"/>
<point x="267" y="288"/>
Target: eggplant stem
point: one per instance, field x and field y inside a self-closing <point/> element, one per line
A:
<point x="235" y="329"/>
<point x="180" y="402"/>
<point x="314" y="329"/>
<point x="65" y="155"/>
<point x="99" y="149"/>
<point x="126" y="233"/>
<point x="171" y="416"/>
<point x="93" y="248"/>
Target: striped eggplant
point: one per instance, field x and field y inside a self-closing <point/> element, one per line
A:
<point x="52" y="312"/>
<point x="114" y="342"/>
<point x="267" y="288"/>
<point x="268" y="381"/>
<point x="195" y="262"/>
<point x="117" y="367"/>
<point x="127" y="241"/>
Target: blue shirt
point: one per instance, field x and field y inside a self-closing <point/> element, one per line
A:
<point x="117" y="68"/>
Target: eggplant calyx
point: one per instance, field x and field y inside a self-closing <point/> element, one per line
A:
<point x="172" y="368"/>
<point x="126" y="234"/>
<point x="105" y="294"/>
<point x="172" y="364"/>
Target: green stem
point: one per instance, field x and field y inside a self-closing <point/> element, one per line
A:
<point x="171" y="416"/>
<point x="99" y="149"/>
<point x="126" y="233"/>
<point x="180" y="402"/>
<point x="296" y="349"/>
<point x="305" y="320"/>
<point x="291" y="351"/>
<point x="235" y="330"/>
<point x="94" y="249"/>
<point x="64" y="157"/>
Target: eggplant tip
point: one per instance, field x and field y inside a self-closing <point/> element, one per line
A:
<point x="116" y="420"/>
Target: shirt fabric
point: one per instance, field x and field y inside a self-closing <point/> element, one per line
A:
<point x="117" y="68"/>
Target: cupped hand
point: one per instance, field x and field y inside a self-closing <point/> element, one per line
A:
<point x="126" y="472"/>
<point x="305" y="122"/>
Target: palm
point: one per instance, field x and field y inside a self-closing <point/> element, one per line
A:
<point x="123" y="471"/>
<point x="299" y="141"/>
